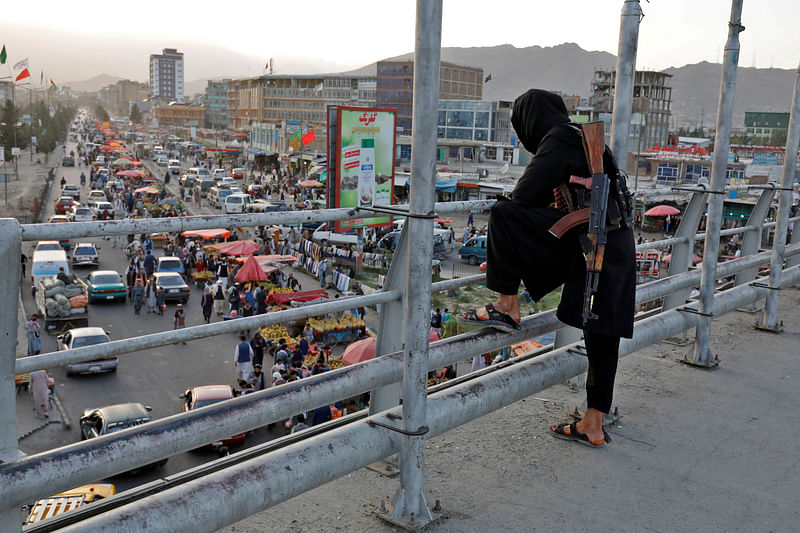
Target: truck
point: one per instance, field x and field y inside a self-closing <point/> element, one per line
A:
<point x="59" y="317"/>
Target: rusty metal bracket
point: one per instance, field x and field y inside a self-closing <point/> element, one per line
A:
<point x="421" y="431"/>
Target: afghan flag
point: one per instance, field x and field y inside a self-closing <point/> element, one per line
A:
<point x="22" y="75"/>
<point x="3" y="56"/>
<point x="53" y="86"/>
<point x="308" y="138"/>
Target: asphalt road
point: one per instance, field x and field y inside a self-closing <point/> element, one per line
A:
<point x="153" y="377"/>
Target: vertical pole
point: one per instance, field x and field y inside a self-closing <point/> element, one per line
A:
<point x="701" y="356"/>
<point x="626" y="72"/>
<point x="410" y="505"/>
<point x="10" y="250"/>
<point x="770" y="320"/>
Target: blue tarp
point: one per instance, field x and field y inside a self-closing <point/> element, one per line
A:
<point x="442" y="186"/>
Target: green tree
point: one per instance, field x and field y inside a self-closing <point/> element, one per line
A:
<point x="9" y="116"/>
<point x="101" y="113"/>
<point x="778" y="137"/>
<point x="136" y="115"/>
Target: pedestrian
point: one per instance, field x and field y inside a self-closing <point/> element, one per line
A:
<point x="137" y="294"/>
<point x="259" y="345"/>
<point x="219" y="299"/>
<point x="149" y="263"/>
<point x="161" y="300"/>
<point x="197" y="197"/>
<point x="328" y="271"/>
<point x="234" y="300"/>
<point x="179" y="319"/>
<point x="207" y="303"/>
<point x="222" y="274"/>
<point x="23" y="263"/>
<point x="150" y="295"/>
<point x="470" y="220"/>
<point x="40" y="389"/>
<point x="521" y="249"/>
<point x="131" y="273"/>
<point x="257" y="380"/>
<point x="34" y="335"/>
<point x="242" y="358"/>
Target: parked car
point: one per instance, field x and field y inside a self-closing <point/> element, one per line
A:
<point x="85" y="254"/>
<point x="82" y="213"/>
<point x="81" y="337"/>
<point x="474" y="250"/>
<point x="105" y="285"/>
<point x="170" y="264"/>
<point x="112" y="418"/>
<point x="205" y="395"/>
<point x="238" y="173"/>
<point x="104" y="210"/>
<point x="175" y="288"/>
<point x="68" y="161"/>
<point x="72" y="191"/>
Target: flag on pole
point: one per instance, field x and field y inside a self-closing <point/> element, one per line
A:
<point x="19" y="65"/>
<point x="22" y="75"/>
<point x="53" y="86"/>
<point x="308" y="138"/>
<point x="295" y="140"/>
<point x="3" y="56"/>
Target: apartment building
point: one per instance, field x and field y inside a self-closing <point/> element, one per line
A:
<point x="475" y="120"/>
<point x="166" y="76"/>
<point x="181" y="115"/>
<point x="216" y="104"/>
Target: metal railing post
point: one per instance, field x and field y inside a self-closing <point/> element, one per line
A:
<point x="410" y="507"/>
<point x="682" y="252"/>
<point x="701" y="355"/>
<point x="751" y="241"/>
<point x="10" y="250"/>
<point x="624" y="80"/>
<point x="770" y="319"/>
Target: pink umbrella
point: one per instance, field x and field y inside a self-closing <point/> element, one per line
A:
<point x="237" y="247"/>
<point x="661" y="211"/>
<point x="131" y="173"/>
<point x="695" y="258"/>
<point x="365" y="349"/>
<point x="251" y="271"/>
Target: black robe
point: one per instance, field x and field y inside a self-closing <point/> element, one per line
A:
<point x="520" y="248"/>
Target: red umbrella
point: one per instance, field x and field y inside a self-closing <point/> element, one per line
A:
<point x="661" y="211"/>
<point x="365" y="349"/>
<point x="237" y="247"/>
<point x="131" y="173"/>
<point x="251" y="271"/>
<point x="310" y="183"/>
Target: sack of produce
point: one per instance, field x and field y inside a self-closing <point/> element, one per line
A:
<point x="61" y="300"/>
<point x="72" y="290"/>
<point x="52" y="291"/>
<point x="78" y="301"/>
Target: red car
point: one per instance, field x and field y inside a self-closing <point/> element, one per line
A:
<point x="237" y="173"/>
<point x="64" y="204"/>
<point x="204" y="395"/>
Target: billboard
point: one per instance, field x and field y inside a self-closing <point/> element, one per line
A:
<point x="364" y="162"/>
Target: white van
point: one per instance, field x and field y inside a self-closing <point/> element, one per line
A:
<point x="46" y="263"/>
<point x="325" y="237"/>
<point x="236" y="203"/>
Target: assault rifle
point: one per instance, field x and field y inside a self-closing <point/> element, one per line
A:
<point x="593" y="242"/>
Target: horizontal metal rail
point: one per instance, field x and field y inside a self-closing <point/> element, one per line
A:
<point x="38" y="232"/>
<point x="313" y="463"/>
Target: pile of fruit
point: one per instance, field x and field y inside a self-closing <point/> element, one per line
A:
<point x="274" y="331"/>
<point x="347" y="321"/>
<point x="278" y="290"/>
<point x="203" y="274"/>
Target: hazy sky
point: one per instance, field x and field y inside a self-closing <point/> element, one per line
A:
<point x="77" y="40"/>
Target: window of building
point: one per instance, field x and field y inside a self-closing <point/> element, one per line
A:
<point x="460" y="118"/>
<point x="734" y="173"/>
<point x="459" y="133"/>
<point x="405" y="152"/>
<point x="491" y="153"/>
<point x="481" y="135"/>
<point x="695" y="172"/>
<point x="481" y="120"/>
<point x="667" y="172"/>
<point x="442" y="118"/>
<point x="508" y="154"/>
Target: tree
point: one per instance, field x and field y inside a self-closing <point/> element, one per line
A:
<point x="101" y="113"/>
<point x="136" y="115"/>
<point x="778" y="136"/>
<point x="9" y="117"/>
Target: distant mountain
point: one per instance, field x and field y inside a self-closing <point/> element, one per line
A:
<point x="569" y="68"/>
<point x="92" y="84"/>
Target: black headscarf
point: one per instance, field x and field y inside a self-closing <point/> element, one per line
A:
<point x="534" y="114"/>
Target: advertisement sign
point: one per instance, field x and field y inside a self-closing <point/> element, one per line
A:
<point x="15" y="151"/>
<point x="193" y="132"/>
<point x="365" y="148"/>
<point x="2" y="154"/>
<point x="33" y="140"/>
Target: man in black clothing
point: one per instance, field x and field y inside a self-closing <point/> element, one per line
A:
<point x="520" y="248"/>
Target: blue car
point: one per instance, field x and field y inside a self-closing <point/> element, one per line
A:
<point x="170" y="264"/>
<point x="474" y="250"/>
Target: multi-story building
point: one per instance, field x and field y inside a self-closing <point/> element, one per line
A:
<point x="182" y="115"/>
<point x="294" y="101"/>
<point x="395" y="87"/>
<point x="216" y="98"/>
<point x="762" y="124"/>
<point x="166" y="76"/>
<point x="475" y="120"/>
<point x="652" y="101"/>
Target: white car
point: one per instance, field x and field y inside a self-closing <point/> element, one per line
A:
<point x="85" y="254"/>
<point x="82" y="213"/>
<point x="237" y="203"/>
<point x="227" y="180"/>
<point x="219" y="172"/>
<point x="80" y="337"/>
<point x="162" y="161"/>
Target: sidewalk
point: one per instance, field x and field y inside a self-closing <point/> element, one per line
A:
<point x="696" y="450"/>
